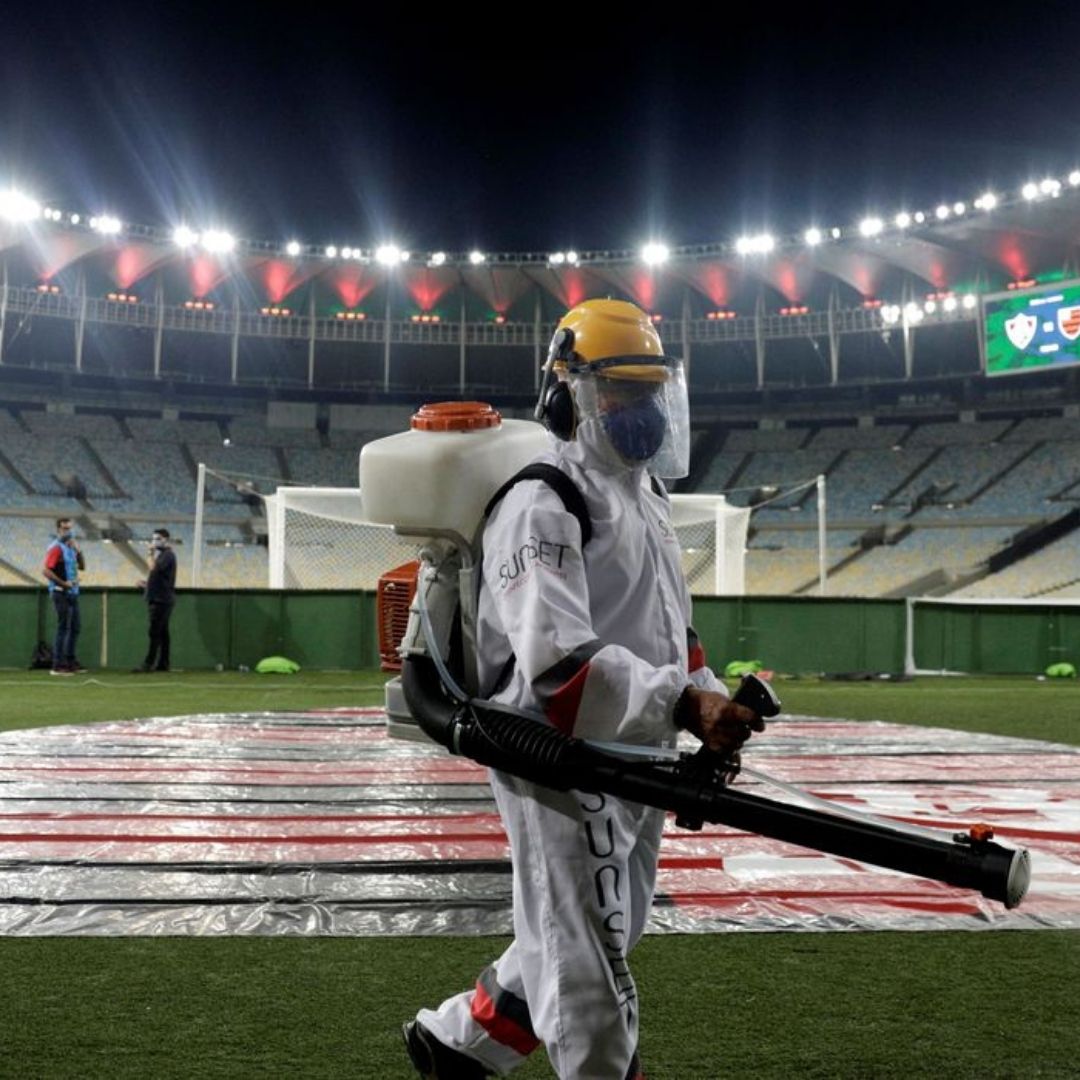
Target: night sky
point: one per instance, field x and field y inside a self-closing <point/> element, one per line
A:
<point x="540" y="129"/>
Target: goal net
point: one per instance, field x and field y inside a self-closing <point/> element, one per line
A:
<point x="320" y="539"/>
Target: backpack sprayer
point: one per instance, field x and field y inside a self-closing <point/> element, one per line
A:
<point x="461" y="454"/>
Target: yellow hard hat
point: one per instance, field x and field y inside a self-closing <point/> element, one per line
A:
<point x="613" y="337"/>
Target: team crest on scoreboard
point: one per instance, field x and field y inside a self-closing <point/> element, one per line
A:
<point x="1069" y="321"/>
<point x="1021" y="328"/>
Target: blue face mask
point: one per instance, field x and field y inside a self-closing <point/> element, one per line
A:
<point x="636" y="429"/>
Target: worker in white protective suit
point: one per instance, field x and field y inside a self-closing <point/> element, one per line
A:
<point x="597" y="637"/>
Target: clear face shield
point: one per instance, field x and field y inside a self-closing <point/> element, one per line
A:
<point x="641" y="406"/>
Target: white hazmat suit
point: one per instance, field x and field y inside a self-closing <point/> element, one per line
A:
<point x="601" y="644"/>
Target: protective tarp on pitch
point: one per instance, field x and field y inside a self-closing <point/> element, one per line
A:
<point x="318" y="823"/>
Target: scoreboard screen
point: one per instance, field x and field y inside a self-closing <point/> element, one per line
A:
<point x="1031" y="329"/>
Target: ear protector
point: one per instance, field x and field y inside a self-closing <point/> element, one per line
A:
<point x="556" y="409"/>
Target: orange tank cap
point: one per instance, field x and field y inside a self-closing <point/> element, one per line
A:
<point x="455" y="416"/>
<point x="981" y="833"/>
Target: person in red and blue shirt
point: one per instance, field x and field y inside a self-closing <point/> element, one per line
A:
<point x="63" y="561"/>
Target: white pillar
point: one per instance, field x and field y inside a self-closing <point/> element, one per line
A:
<point x="821" y="532"/>
<point x="200" y="501"/>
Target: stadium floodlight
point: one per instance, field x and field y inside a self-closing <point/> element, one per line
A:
<point x="75" y="219"/>
<point x="388" y="255"/>
<point x="50" y="214"/>
<point x="1030" y="191"/>
<point x="949" y="303"/>
<point x="812" y="237"/>
<point x="346" y="252"/>
<point x="930" y="307"/>
<point x="890" y="314"/>
<point x="331" y="251"/>
<point x="959" y="208"/>
<point x="438" y="258"/>
<point x="969" y="301"/>
<point x="835" y="233"/>
<point x="1050" y="187"/>
<point x="292" y="248"/>
<point x="106" y="224"/>
<point x="986" y="201"/>
<point x="218" y="242"/>
<point x="477" y="257"/>
<point x="185" y="237"/>
<point x="912" y="312"/>
<point x="871" y="226"/>
<point x="572" y="258"/>
<point x="761" y="244"/>
<point x="1074" y="178"/>
<point x="902" y="220"/>
<point x="557" y="258"/>
<point x="942" y="212"/>
<point x="17" y="207"/>
<point x="655" y="254"/>
<point x="920" y="217"/>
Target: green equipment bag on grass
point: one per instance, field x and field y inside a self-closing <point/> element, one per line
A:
<point x="277" y="665"/>
<point x="1064" y="670"/>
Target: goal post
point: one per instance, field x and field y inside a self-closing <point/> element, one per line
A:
<point x="319" y="538"/>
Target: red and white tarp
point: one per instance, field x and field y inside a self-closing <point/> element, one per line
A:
<point x="319" y="823"/>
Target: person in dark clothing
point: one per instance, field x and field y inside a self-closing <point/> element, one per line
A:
<point x="159" y="590"/>
<point x="63" y="561"/>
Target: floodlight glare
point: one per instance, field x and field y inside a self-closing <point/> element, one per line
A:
<point x="346" y="252"/>
<point x="969" y="301"/>
<point x="572" y="258"/>
<point x="930" y="307"/>
<point x="292" y="248"/>
<point x="17" y="207"/>
<point x="106" y="224"/>
<point x="331" y="252"/>
<point x="75" y="219"/>
<point x="942" y="212"/>
<point x="902" y="220"/>
<point x="761" y="244"/>
<point x="890" y="314"/>
<point x="949" y="303"/>
<point x="438" y="258"/>
<point x="959" y="208"/>
<point x="655" y="254"/>
<point x="388" y="255"/>
<point x="1050" y="186"/>
<point x="476" y="257"/>
<point x="1074" y="178"/>
<point x="557" y="258"/>
<point x="871" y="226"/>
<point x="218" y="242"/>
<point x="184" y="237"/>
<point x="1030" y="191"/>
<point x="835" y="233"/>
<point x="812" y="237"/>
<point x="913" y="313"/>
<point x="920" y="217"/>
<point x="986" y="202"/>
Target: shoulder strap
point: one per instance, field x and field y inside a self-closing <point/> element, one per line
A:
<point x="658" y="487"/>
<point x="560" y="483"/>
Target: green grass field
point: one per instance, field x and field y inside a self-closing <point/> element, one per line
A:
<point x="763" y="1005"/>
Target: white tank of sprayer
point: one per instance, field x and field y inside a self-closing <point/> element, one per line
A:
<point x="440" y="474"/>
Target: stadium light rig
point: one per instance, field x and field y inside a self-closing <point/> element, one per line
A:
<point x="199" y="305"/>
<point x="797" y="309"/>
<point x="122" y="298"/>
<point x="17" y="207"/>
<point x="48" y="287"/>
<point x="427" y="317"/>
<point x="437" y="258"/>
<point x="721" y="315"/>
<point x="761" y="244"/>
<point x="812" y="237"/>
<point x="106" y="224"/>
<point x="477" y="258"/>
<point x="390" y="255"/>
<point x="275" y="311"/>
<point x="292" y="248"/>
<point x="218" y="242"/>
<point x="655" y="254"/>
<point x="351" y="316"/>
<point x="871" y="226"/>
<point x="185" y="237"/>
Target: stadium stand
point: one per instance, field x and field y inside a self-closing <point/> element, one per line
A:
<point x="905" y="498"/>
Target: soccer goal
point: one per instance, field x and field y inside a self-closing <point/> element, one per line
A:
<point x="319" y="539"/>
